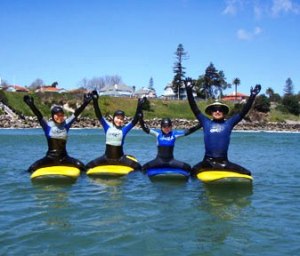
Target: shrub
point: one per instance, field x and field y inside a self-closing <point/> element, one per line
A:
<point x="291" y="103"/>
<point x="262" y="104"/>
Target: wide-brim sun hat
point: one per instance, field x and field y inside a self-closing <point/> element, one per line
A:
<point x="224" y="108"/>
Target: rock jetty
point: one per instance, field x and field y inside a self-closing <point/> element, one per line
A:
<point x="84" y="122"/>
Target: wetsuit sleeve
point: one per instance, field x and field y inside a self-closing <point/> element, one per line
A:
<point x="153" y="133"/>
<point x="193" y="105"/>
<point x="97" y="109"/>
<point x="69" y="121"/>
<point x="138" y="112"/>
<point x="249" y="102"/>
<point x="144" y="125"/>
<point x="29" y="101"/>
<point x="253" y="93"/>
<point x="192" y="129"/>
<point x="86" y="101"/>
<point x="247" y="106"/>
<point x="98" y="113"/>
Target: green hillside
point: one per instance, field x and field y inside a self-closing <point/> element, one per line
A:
<point x="158" y="108"/>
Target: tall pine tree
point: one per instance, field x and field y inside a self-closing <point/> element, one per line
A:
<point x="178" y="69"/>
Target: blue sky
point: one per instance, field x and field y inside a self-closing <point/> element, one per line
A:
<point x="68" y="40"/>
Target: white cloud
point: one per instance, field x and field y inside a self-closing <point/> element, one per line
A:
<point x="243" y="34"/>
<point x="284" y="6"/>
<point x="232" y="7"/>
<point x="258" y="12"/>
<point x="261" y="7"/>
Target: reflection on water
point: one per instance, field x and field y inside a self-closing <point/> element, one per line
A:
<point x="131" y="215"/>
<point x="51" y="200"/>
<point x="107" y="181"/>
<point x="226" y="201"/>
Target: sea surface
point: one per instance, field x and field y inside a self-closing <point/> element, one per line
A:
<point x="136" y="216"/>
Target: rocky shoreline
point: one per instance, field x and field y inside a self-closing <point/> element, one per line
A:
<point x="84" y="122"/>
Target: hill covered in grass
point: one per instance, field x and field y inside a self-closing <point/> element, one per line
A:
<point x="157" y="108"/>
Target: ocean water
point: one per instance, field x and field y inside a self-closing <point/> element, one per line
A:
<point x="135" y="216"/>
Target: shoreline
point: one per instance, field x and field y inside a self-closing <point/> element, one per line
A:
<point x="85" y="122"/>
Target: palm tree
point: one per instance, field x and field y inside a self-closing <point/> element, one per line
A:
<point x="270" y="92"/>
<point x="236" y="82"/>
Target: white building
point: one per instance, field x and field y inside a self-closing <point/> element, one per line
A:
<point x="146" y="92"/>
<point x="169" y="93"/>
<point x="117" y="90"/>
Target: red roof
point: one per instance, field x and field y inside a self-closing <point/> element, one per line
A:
<point x="233" y="96"/>
<point x="19" y="88"/>
<point x="48" y="89"/>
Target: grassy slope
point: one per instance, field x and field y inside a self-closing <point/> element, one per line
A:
<point x="159" y="108"/>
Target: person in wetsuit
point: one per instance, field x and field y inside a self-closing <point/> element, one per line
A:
<point x="217" y="131"/>
<point x="165" y="138"/>
<point x="115" y="134"/>
<point x="56" y="131"/>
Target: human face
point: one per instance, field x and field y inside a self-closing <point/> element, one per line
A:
<point x="217" y="113"/>
<point x="166" y="129"/>
<point x="119" y="120"/>
<point x="59" y="117"/>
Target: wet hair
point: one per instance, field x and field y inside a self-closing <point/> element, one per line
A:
<point x="166" y="122"/>
<point x="56" y="109"/>
<point x="119" y="113"/>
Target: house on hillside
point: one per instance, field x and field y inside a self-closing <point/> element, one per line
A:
<point x="117" y="90"/>
<point x="145" y="92"/>
<point x="169" y="93"/>
<point x="16" y="88"/>
<point x="78" y="91"/>
<point x="238" y="97"/>
<point x="49" y="88"/>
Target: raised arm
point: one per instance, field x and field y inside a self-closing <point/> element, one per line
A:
<point x="253" y="94"/>
<point x="30" y="102"/>
<point x="86" y="100"/>
<point x="138" y="111"/>
<point x="192" y="129"/>
<point x="143" y="124"/>
<point x="95" y="97"/>
<point x="189" y="91"/>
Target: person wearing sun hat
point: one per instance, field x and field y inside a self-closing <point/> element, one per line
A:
<point x="217" y="105"/>
<point x="217" y="131"/>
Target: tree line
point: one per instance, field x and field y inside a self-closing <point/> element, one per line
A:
<point x="209" y="85"/>
<point x="212" y="83"/>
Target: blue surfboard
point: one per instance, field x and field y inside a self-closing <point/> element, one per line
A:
<point x="167" y="173"/>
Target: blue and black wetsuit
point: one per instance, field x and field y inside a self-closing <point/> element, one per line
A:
<point x="217" y="138"/>
<point x="56" y="135"/>
<point x="115" y="137"/>
<point x="165" y="147"/>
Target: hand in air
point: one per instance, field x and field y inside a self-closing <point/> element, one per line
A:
<point x="256" y="90"/>
<point x="28" y="100"/>
<point x="94" y="95"/>
<point x="141" y="101"/>
<point x="87" y="98"/>
<point x="140" y="115"/>
<point x="189" y="84"/>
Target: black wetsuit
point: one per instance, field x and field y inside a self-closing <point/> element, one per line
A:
<point x="115" y="137"/>
<point x="165" y="148"/>
<point x="56" y="135"/>
<point x="217" y="138"/>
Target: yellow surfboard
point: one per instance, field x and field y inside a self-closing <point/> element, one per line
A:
<point x="109" y="170"/>
<point x="56" y="172"/>
<point x="221" y="176"/>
